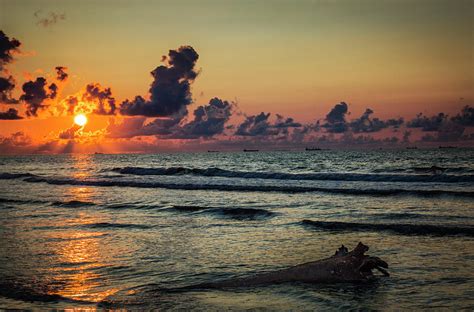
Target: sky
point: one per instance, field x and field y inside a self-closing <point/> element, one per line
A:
<point x="230" y="74"/>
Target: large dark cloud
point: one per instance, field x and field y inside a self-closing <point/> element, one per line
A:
<point x="170" y="89"/>
<point x="10" y="114"/>
<point x="61" y="74"/>
<point x="336" y="119"/>
<point x="35" y="94"/>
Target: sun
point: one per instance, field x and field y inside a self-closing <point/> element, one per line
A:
<point x="80" y="120"/>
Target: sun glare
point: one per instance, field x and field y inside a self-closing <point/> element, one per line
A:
<point x="80" y="120"/>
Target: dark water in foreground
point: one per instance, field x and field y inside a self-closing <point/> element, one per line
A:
<point x="94" y="231"/>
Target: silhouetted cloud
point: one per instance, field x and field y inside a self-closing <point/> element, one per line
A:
<point x="465" y="117"/>
<point x="7" y="83"/>
<point x="365" y="124"/>
<point x="35" y="94"/>
<point x="61" y="74"/>
<point x="170" y="89"/>
<point x="336" y="119"/>
<point x="94" y="99"/>
<point x="259" y="125"/>
<point x="102" y="96"/>
<point x="427" y="123"/>
<point x="255" y="125"/>
<point x="16" y="142"/>
<point x="49" y="19"/>
<point x="209" y="120"/>
<point x="7" y="47"/>
<point x="10" y="114"/>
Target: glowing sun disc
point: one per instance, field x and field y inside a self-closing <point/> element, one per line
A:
<point x="80" y="120"/>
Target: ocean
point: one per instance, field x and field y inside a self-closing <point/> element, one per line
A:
<point x="122" y="231"/>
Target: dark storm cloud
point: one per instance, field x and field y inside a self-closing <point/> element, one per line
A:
<point x="35" y="94"/>
<point x="50" y="19"/>
<point x="61" y="74"/>
<point x="10" y="114"/>
<point x="170" y="89"/>
<point x="366" y="124"/>
<point x="102" y="97"/>
<point x="7" y="85"/>
<point x="7" y="47"/>
<point x="336" y="119"/>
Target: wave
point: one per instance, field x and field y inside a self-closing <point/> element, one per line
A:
<point x="10" y="176"/>
<point x="405" y="229"/>
<point x="408" y="215"/>
<point x="247" y="188"/>
<point x="243" y="213"/>
<point x="334" y="176"/>
<point x="20" y="291"/>
<point x="72" y="203"/>
<point x="238" y="213"/>
<point x="106" y="225"/>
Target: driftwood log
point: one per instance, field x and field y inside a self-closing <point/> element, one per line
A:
<point x="343" y="266"/>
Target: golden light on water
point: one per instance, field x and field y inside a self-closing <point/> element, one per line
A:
<point x="80" y="120"/>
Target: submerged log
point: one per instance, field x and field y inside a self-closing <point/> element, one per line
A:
<point x="343" y="266"/>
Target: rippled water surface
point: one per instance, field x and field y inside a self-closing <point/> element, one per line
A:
<point x="120" y="231"/>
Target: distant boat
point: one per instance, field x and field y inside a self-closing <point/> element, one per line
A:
<point x="309" y="149"/>
<point x="211" y="151"/>
<point x="412" y="147"/>
<point x="250" y="150"/>
<point x="97" y="153"/>
<point x="446" y="147"/>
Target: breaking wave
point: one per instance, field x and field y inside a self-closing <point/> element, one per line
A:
<point x="217" y="172"/>
<point x="247" y="188"/>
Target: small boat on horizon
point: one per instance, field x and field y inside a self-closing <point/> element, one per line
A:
<point x="250" y="150"/>
<point x="309" y="149"/>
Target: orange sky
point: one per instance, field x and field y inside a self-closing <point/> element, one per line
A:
<point x="298" y="60"/>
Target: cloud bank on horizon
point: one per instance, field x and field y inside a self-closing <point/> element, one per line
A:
<point x="145" y="123"/>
